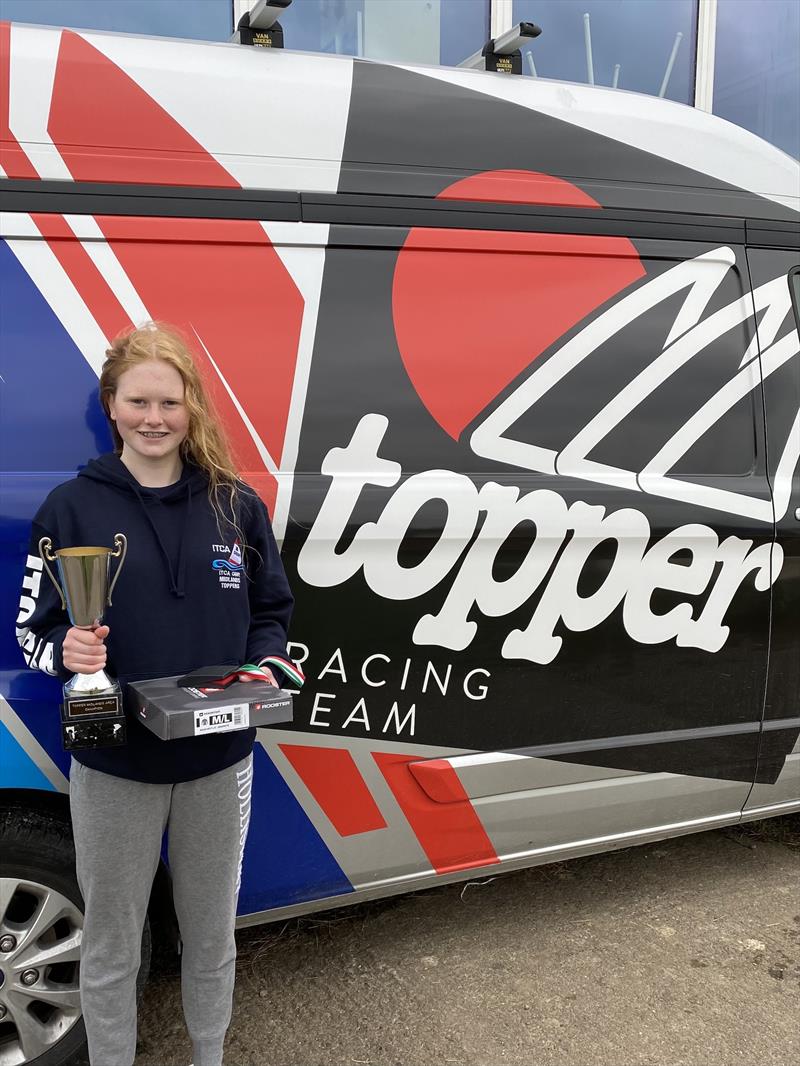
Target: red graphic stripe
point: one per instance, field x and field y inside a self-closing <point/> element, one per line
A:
<point x="87" y="279"/>
<point x="264" y="484"/>
<point x="438" y="779"/>
<point x="451" y="834"/>
<point x="518" y="187"/>
<point x="335" y="782"/>
<point x="13" y="159"/>
<point x="107" y="128"/>
<point x="220" y="281"/>
<point x="479" y="307"/>
<point x="205" y="278"/>
<point x="94" y="290"/>
<point x="223" y="281"/>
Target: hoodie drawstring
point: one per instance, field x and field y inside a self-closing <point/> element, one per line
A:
<point x="181" y="589"/>
<point x="177" y="585"/>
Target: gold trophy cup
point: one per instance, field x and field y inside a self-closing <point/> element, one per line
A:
<point x="91" y="714"/>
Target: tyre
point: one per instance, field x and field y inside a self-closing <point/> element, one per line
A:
<point x="41" y="925"/>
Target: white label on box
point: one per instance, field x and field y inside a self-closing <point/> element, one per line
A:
<point x="221" y="719"/>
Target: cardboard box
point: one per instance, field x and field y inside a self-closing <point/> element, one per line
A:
<point x="171" y="712"/>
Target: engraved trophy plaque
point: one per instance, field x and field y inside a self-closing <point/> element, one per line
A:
<point x="91" y="714"/>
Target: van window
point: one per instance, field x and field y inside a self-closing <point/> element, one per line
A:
<point x="209" y="20"/>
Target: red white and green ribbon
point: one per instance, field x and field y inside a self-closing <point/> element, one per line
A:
<point x="258" y="672"/>
<point x="292" y="671"/>
<point x="250" y="670"/>
<point x="245" y="671"/>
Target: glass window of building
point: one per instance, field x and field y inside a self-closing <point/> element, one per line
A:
<point x="757" y="68"/>
<point x="405" y="31"/>
<point x="206" y="20"/>
<point x="644" y="45"/>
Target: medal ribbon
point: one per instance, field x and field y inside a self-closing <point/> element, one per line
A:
<point x="242" y="672"/>
<point x="257" y="672"/>
<point x="292" y="671"/>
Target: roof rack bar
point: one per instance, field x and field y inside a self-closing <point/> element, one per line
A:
<point x="503" y="54"/>
<point x="260" y="27"/>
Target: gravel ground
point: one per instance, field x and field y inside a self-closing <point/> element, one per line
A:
<point x="684" y="952"/>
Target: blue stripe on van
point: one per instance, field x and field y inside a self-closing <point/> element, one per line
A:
<point x="41" y="715"/>
<point x="17" y="768"/>
<point x="52" y="423"/>
<point x="286" y="861"/>
<point x="52" y="419"/>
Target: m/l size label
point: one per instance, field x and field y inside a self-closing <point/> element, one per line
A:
<point x="221" y="719"/>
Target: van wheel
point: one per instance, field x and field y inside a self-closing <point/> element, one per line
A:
<point x="41" y="926"/>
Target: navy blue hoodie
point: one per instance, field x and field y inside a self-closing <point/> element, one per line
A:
<point x="176" y="606"/>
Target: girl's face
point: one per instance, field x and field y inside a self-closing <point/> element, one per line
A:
<point x="149" y="410"/>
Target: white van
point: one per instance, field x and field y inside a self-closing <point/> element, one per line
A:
<point x="514" y="364"/>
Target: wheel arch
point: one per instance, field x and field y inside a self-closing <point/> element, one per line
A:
<point x="56" y="805"/>
<point x="36" y="799"/>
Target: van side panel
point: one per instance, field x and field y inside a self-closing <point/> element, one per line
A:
<point x="206" y="275"/>
<point x="600" y="723"/>
<point x="779" y="781"/>
<point x="465" y="456"/>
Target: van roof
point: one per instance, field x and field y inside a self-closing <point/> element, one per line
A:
<point x="97" y="106"/>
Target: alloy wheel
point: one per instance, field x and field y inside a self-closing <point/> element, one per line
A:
<point x="39" y="975"/>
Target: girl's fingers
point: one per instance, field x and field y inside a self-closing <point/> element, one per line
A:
<point x="78" y="657"/>
<point x="85" y="638"/>
<point x="83" y="652"/>
<point x="270" y="677"/>
<point x="88" y="655"/>
<point x="84" y="666"/>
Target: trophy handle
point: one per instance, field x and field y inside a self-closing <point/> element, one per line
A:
<point x="119" y="552"/>
<point x="47" y="556"/>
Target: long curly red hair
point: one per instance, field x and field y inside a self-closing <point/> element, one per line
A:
<point x="205" y="443"/>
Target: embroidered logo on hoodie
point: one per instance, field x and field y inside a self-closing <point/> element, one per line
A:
<point x="229" y="569"/>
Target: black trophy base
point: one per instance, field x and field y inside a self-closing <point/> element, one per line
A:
<point x="93" y="720"/>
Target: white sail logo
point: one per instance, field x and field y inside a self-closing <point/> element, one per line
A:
<point x="689" y="336"/>
<point x="471" y="548"/>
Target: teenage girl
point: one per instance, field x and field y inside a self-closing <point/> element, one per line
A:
<point x="202" y="584"/>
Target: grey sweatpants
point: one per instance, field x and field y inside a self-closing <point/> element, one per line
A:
<point x="118" y="827"/>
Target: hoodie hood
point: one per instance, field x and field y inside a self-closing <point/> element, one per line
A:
<point x="164" y="508"/>
<point x="110" y="470"/>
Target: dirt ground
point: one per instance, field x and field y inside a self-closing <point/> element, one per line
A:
<point x="677" y="954"/>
